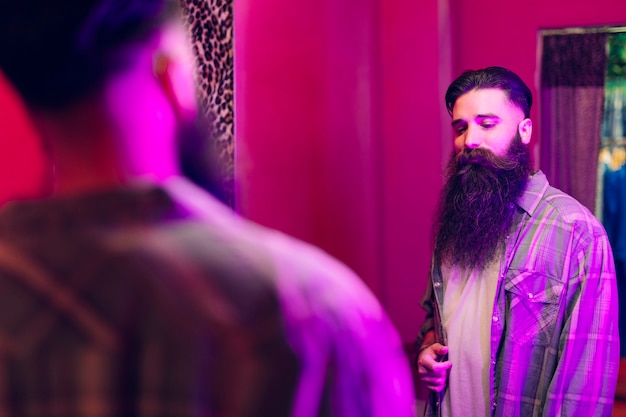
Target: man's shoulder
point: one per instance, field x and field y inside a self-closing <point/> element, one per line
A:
<point x="292" y="258"/>
<point x="309" y="278"/>
<point x="560" y="207"/>
<point x="316" y="290"/>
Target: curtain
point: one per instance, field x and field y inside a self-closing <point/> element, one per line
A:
<point x="573" y="68"/>
<point x="211" y="162"/>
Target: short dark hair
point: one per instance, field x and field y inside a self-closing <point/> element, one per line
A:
<point x="491" y="77"/>
<point x="56" y="52"/>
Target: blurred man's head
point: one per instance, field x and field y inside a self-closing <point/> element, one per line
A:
<point x="109" y="83"/>
<point x="490" y="168"/>
<point x="57" y="52"/>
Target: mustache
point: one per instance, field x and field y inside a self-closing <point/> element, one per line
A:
<point x="470" y="158"/>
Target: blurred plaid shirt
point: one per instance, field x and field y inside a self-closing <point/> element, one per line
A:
<point x="148" y="301"/>
<point x="554" y="330"/>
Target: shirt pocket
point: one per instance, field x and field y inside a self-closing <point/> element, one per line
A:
<point x="532" y="300"/>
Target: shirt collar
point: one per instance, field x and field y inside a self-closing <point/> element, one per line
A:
<point x="535" y="191"/>
<point x="106" y="208"/>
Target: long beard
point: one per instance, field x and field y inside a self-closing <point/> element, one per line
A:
<point x="476" y="209"/>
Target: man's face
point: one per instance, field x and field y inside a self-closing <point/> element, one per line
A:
<point x="476" y="208"/>
<point x="487" y="119"/>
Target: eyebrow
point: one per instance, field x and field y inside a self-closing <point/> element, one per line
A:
<point x="487" y="116"/>
<point x="479" y="117"/>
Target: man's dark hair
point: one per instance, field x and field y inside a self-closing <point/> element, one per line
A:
<point x="57" y="52"/>
<point x="491" y="77"/>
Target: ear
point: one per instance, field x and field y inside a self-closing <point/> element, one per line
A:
<point x="176" y="81"/>
<point x="525" y="130"/>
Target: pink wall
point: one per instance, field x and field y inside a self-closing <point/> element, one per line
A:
<point x="337" y="131"/>
<point x="21" y="158"/>
<point x="414" y="60"/>
<point x="307" y="124"/>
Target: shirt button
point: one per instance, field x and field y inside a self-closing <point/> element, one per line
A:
<point x="437" y="284"/>
<point x="495" y="318"/>
<point x="530" y="295"/>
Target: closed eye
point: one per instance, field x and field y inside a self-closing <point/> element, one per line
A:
<point x="459" y="130"/>
<point x="488" y="121"/>
<point x="459" y="126"/>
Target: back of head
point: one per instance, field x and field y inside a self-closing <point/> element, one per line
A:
<point x="491" y="77"/>
<point x="57" y="52"/>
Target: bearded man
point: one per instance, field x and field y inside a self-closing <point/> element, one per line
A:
<point x="522" y="299"/>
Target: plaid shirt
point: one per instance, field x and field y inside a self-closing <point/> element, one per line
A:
<point x="148" y="301"/>
<point x="554" y="333"/>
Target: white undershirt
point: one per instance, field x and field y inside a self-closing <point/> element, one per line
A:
<point x="467" y="309"/>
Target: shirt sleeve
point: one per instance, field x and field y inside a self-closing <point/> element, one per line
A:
<point x="427" y="303"/>
<point x="429" y="323"/>
<point x="588" y="360"/>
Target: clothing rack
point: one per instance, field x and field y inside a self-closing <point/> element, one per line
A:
<point x="583" y="30"/>
<point x="608" y="142"/>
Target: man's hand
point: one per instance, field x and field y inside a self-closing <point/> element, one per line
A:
<point x="432" y="372"/>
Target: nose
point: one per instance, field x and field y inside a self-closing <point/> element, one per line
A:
<point x="472" y="137"/>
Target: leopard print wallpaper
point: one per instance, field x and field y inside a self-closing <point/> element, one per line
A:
<point x="210" y="27"/>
